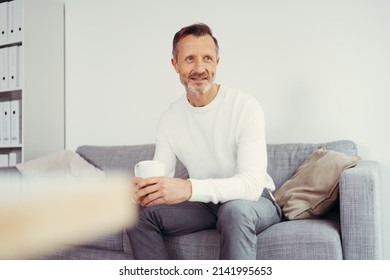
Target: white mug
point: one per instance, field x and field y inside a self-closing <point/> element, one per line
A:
<point x="149" y="168"/>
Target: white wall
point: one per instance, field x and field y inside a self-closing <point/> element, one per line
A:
<point x="321" y="69"/>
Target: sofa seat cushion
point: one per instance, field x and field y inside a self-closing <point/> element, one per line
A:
<point x="301" y="240"/>
<point x="87" y="253"/>
<point x="112" y="242"/>
<point x="202" y="245"/>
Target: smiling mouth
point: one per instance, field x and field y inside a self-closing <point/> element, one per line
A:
<point x="199" y="78"/>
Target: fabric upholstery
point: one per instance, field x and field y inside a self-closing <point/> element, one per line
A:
<point x="123" y="158"/>
<point x="120" y="158"/>
<point x="313" y="189"/>
<point x="360" y="218"/>
<point x="88" y="253"/>
<point x="284" y="159"/>
<point x="63" y="163"/>
<point x="300" y="239"/>
<point x="320" y="240"/>
<point x="352" y="230"/>
<point x="313" y="239"/>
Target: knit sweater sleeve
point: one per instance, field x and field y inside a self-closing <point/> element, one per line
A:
<point x="164" y="152"/>
<point x="251" y="177"/>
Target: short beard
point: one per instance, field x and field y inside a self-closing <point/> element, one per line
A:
<point x="201" y="90"/>
<point x="196" y="90"/>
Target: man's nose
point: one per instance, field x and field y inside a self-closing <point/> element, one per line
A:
<point x="199" y="66"/>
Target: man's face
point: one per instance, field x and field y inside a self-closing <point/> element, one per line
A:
<point x="196" y="63"/>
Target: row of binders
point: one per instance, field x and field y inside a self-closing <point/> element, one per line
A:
<point x="10" y="159"/>
<point x="11" y="22"/>
<point x="10" y="123"/>
<point x="10" y="68"/>
<point x="11" y="13"/>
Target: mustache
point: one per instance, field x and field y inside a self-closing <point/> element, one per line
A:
<point x="199" y="75"/>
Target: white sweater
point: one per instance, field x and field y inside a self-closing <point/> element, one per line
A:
<point x="222" y="145"/>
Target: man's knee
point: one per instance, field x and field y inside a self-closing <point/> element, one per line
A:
<point x="235" y="211"/>
<point x="149" y="215"/>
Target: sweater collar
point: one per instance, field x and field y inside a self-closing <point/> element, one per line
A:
<point x="217" y="100"/>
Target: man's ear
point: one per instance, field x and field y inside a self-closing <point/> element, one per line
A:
<point x="174" y="64"/>
<point x="217" y="60"/>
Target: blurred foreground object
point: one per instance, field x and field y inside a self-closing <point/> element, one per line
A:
<point x="53" y="214"/>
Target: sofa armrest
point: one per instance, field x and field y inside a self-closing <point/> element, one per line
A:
<point x="360" y="210"/>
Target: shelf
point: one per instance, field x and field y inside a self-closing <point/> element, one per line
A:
<point x="10" y="44"/>
<point x="10" y="91"/>
<point x="16" y="146"/>
<point x="15" y="94"/>
<point x="40" y="50"/>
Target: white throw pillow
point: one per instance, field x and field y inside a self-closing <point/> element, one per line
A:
<point x="64" y="163"/>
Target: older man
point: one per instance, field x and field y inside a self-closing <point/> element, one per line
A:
<point x="218" y="134"/>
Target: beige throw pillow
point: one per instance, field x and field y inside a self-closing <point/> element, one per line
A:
<point x="60" y="164"/>
<point x="313" y="189"/>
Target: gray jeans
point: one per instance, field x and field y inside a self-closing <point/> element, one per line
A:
<point x="237" y="221"/>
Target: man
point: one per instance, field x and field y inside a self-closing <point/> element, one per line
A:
<point x="218" y="134"/>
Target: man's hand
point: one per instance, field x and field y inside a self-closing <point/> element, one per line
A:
<point x="161" y="190"/>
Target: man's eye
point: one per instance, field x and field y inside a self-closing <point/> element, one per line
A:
<point x="208" y="59"/>
<point x="190" y="59"/>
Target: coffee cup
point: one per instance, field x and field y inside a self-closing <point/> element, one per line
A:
<point x="149" y="168"/>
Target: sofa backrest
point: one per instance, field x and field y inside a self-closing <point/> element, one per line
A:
<point x="283" y="159"/>
<point x="123" y="158"/>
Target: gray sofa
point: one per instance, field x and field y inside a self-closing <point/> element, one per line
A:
<point x="350" y="230"/>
